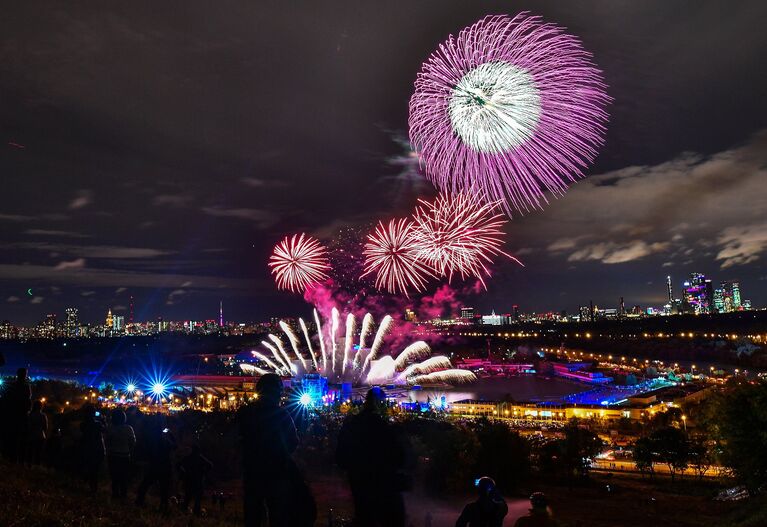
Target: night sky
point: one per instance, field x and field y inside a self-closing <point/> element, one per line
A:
<point x="160" y="150"/>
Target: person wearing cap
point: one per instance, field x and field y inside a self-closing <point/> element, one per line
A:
<point x="539" y="515"/>
<point x="488" y="510"/>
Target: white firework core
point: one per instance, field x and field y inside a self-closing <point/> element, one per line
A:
<point x="495" y="107"/>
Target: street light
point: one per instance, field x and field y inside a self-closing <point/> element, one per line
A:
<point x="684" y="422"/>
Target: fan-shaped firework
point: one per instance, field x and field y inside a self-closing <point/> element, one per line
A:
<point x="298" y="262"/>
<point x="364" y="366"/>
<point x="511" y="108"/>
<point x="458" y="234"/>
<point x="392" y="253"/>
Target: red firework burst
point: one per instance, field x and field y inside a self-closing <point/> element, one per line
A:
<point x="299" y="261"/>
<point x="392" y="253"/>
<point x="458" y="234"/>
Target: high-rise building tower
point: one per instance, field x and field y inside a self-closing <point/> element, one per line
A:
<point x="72" y="324"/>
<point x="118" y="323"/>
<point x="699" y="294"/>
<point x="130" y="315"/>
<point x="221" y="313"/>
<point x="109" y="320"/>
<point x="669" y="291"/>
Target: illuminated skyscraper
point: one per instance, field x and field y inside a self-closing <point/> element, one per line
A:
<point x="669" y="291"/>
<point x="698" y="294"/>
<point x="118" y="323"/>
<point x="109" y="321"/>
<point x="72" y="324"/>
<point x="729" y="297"/>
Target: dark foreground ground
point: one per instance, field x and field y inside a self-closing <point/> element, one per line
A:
<point x="36" y="497"/>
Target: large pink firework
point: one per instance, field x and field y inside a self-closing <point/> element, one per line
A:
<point x="510" y="109"/>
<point x="298" y="262"/>
<point x="393" y="254"/>
<point x="459" y="234"/>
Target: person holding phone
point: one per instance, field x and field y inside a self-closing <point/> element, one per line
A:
<point x="92" y="448"/>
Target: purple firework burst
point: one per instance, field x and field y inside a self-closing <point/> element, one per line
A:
<point x="510" y="109"/>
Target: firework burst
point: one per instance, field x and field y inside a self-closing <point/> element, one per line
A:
<point x="299" y="261"/>
<point x="510" y="109"/>
<point x="458" y="234"/>
<point x="393" y="254"/>
<point x="367" y="366"/>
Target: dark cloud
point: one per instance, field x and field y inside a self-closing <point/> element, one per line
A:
<point x="178" y="145"/>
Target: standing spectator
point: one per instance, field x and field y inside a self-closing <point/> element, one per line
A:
<point x="159" y="467"/>
<point x="488" y="511"/>
<point x="16" y="402"/>
<point x="268" y="439"/>
<point x="376" y="481"/>
<point x="37" y="433"/>
<point x="539" y="515"/>
<point x="120" y="442"/>
<point x="92" y="449"/>
<point x="193" y="470"/>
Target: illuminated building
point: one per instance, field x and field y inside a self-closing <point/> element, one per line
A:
<point x="698" y="294"/>
<point x="669" y="291"/>
<point x="467" y="313"/>
<point x="727" y="297"/>
<point x="109" y="320"/>
<point x="118" y="323"/>
<point x="72" y="324"/>
<point x="495" y="320"/>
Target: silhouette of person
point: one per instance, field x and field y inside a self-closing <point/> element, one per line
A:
<point x="488" y="510"/>
<point x="376" y="480"/>
<point x="121" y="439"/>
<point x="539" y="515"/>
<point x="92" y="449"/>
<point x="16" y="403"/>
<point x="268" y="439"/>
<point x="159" y="467"/>
<point x="193" y="469"/>
<point x="37" y="433"/>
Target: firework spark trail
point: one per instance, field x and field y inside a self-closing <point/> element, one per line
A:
<point x="333" y="333"/>
<point x="382" y="371"/>
<point x="283" y="353"/>
<point x="453" y="376"/>
<point x="414" y="351"/>
<point x="429" y="365"/>
<point x="348" y="339"/>
<point x="293" y="338"/>
<point x="512" y="108"/>
<point x="298" y="262"/>
<point x="249" y="368"/>
<point x="392" y="253"/>
<point x="367" y="326"/>
<point x="322" y="340"/>
<point x="309" y="343"/>
<point x="285" y="366"/>
<point x="383" y="329"/>
<point x="266" y="359"/>
<point x="459" y="234"/>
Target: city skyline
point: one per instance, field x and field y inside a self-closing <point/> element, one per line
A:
<point x="626" y="305"/>
<point x="174" y="189"/>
